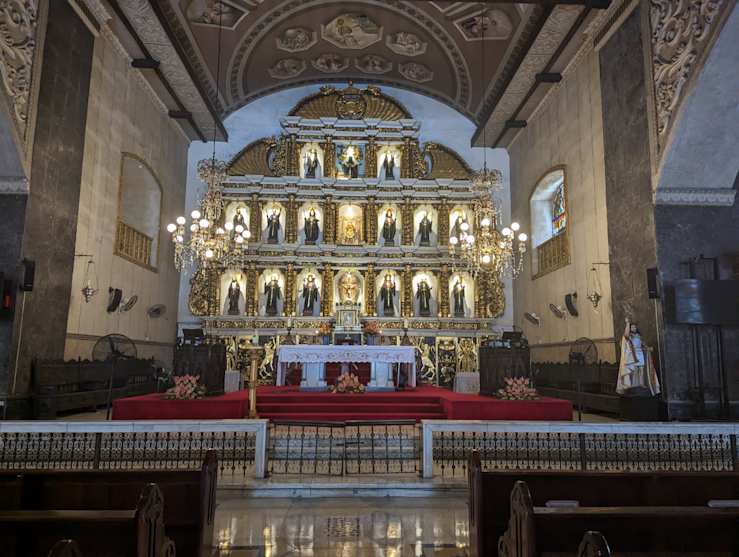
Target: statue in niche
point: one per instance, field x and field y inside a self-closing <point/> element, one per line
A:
<point x="387" y="294"/>
<point x="423" y="295"/>
<point x="424" y="229"/>
<point x="310" y="294"/>
<point x="273" y="225"/>
<point x="388" y="165"/>
<point x="388" y="229"/>
<point x="636" y="373"/>
<point x="349" y="288"/>
<point x="467" y="356"/>
<point x="239" y="220"/>
<point x="458" y="298"/>
<point x="234" y="294"/>
<point x="311" y="227"/>
<point x="349" y="160"/>
<point x="311" y="163"/>
<point x="460" y="225"/>
<point x="272" y="290"/>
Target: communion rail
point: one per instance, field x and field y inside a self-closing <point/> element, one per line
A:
<point x="578" y="446"/>
<point x="240" y="445"/>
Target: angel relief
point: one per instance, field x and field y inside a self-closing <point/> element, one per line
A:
<point x="352" y="31"/>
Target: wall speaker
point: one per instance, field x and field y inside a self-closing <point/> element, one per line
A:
<point x="115" y="299"/>
<point x="652" y="283"/>
<point x="29" y="270"/>
<point x="570" y="304"/>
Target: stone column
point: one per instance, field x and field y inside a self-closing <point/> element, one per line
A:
<point x="406" y="302"/>
<point x="329" y="221"/>
<point x="291" y="221"/>
<point x="443" y="282"/>
<point x="370" y="298"/>
<point x="327" y="296"/>
<point x="251" y="296"/>
<point x="443" y="226"/>
<point x="407" y="238"/>
<point x="371" y="212"/>
<point x="255" y="218"/>
<point x="289" y="302"/>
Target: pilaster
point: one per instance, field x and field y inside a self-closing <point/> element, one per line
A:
<point x="407" y="239"/>
<point x="370" y="296"/>
<point x="443" y="212"/>
<point x="289" y="305"/>
<point x="327" y="296"/>
<point x="291" y="229"/>
<point x="443" y="294"/>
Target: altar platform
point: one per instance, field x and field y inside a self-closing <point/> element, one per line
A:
<point x="287" y="403"/>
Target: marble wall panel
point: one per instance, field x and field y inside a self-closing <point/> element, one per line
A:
<point x="567" y="133"/>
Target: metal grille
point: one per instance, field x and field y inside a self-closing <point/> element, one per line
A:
<point x="553" y="254"/>
<point x="338" y="448"/>
<point x="126" y="450"/>
<point x="134" y="244"/>
<point x="583" y="451"/>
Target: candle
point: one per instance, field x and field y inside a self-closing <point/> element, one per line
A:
<point x="289" y="322"/>
<point x="405" y="323"/>
<point x="254" y="337"/>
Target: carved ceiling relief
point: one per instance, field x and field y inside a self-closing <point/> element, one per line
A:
<point x="373" y="64"/>
<point x="680" y="32"/>
<point x="352" y="31"/>
<point x="415" y="72"/>
<point x="492" y="24"/>
<point x="406" y="44"/>
<point x="330" y="63"/>
<point x="287" y="68"/>
<point x="296" y="39"/>
<point x="18" y="33"/>
<point x="214" y="13"/>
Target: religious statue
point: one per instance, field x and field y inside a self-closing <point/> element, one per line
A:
<point x="458" y="227"/>
<point x="311" y="228"/>
<point x="388" y="165"/>
<point x="239" y="221"/>
<point x="234" y="293"/>
<point x="349" y="287"/>
<point x="273" y="225"/>
<point x="387" y="293"/>
<point x="636" y="373"/>
<point x="424" y="229"/>
<point x="423" y="295"/>
<point x="310" y="294"/>
<point x="458" y="298"/>
<point x="349" y="161"/>
<point x="272" y="290"/>
<point x="467" y="356"/>
<point x="231" y="351"/>
<point x="388" y="229"/>
<point x="311" y="163"/>
<point x="269" y="358"/>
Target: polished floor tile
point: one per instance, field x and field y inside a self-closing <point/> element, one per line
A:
<point x="343" y="527"/>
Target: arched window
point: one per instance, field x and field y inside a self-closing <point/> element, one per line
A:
<point x="559" y="211"/>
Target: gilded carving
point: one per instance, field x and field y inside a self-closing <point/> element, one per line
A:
<point x="371" y="212"/>
<point x="329" y="221"/>
<point x="680" y="32"/>
<point x="370" y="166"/>
<point x="255" y="219"/>
<point x="251" y="296"/>
<point x="419" y="168"/>
<point x="291" y="228"/>
<point x="329" y="101"/>
<point x="444" y="291"/>
<point x="553" y="254"/>
<point x="204" y="290"/>
<point x="18" y="30"/>
<point x="329" y="156"/>
<point x="407" y="209"/>
<point x="253" y="159"/>
<point x="327" y="296"/>
<point x="370" y="297"/>
<point x="445" y="163"/>
<point x="406" y="302"/>
<point x="443" y="209"/>
<point x="289" y="302"/>
<point x="490" y="299"/>
<point x="280" y="162"/>
<point x="406" y="162"/>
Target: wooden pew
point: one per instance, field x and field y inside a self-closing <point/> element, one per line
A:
<point x="65" y="548"/>
<point x="489" y="493"/>
<point x="593" y="544"/>
<point x="684" y="530"/>
<point x="120" y="533"/>
<point x="189" y="514"/>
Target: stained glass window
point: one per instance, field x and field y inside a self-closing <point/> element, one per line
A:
<point x="559" y="212"/>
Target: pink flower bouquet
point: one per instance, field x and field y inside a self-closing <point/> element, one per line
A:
<point x="186" y="387"/>
<point x="371" y="329"/>
<point x="517" y="388"/>
<point x="348" y="383"/>
<point x="324" y="330"/>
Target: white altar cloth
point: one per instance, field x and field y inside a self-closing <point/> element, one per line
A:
<point x="467" y="382"/>
<point x="308" y="354"/>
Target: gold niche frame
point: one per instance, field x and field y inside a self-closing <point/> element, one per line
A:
<point x="120" y="234"/>
<point x="560" y="242"/>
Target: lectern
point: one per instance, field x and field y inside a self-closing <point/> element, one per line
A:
<point x="503" y="358"/>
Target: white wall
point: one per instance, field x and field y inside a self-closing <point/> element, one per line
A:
<point x="569" y="132"/>
<point x="122" y="118"/>
<point x="260" y="118"/>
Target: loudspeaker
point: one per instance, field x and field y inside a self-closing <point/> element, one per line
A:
<point x="29" y="270"/>
<point x="652" y="283"/>
<point x="114" y="300"/>
<point x="570" y="305"/>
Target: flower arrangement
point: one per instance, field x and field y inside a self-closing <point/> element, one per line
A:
<point x="186" y="387"/>
<point x="348" y="383"/>
<point x="371" y="329"/>
<point x="324" y="330"/>
<point x="517" y="388"/>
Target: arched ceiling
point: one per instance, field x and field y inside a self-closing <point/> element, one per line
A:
<point x="433" y="48"/>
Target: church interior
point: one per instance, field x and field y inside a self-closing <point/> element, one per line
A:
<point x="384" y="277"/>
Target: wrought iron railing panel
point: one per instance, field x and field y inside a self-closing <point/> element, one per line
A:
<point x="133" y="445"/>
<point x="307" y="448"/>
<point x="570" y="446"/>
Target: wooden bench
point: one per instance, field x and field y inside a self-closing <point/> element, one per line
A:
<point x="60" y="386"/>
<point x="686" y="530"/>
<point x="489" y="492"/>
<point x="115" y="533"/>
<point x="190" y="496"/>
<point x="65" y="548"/>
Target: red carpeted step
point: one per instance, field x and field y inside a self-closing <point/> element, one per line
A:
<point x="354" y="408"/>
<point x="330" y="398"/>
<point x="322" y="417"/>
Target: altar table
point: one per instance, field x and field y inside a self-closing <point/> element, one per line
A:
<point x="315" y="358"/>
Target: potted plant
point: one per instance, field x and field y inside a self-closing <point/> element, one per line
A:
<point x="517" y="388"/>
<point x="186" y="387"/>
<point x="348" y="383"/>
<point x="370" y="330"/>
<point x="324" y="331"/>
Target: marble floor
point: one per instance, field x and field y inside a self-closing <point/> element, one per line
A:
<point x="346" y="527"/>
